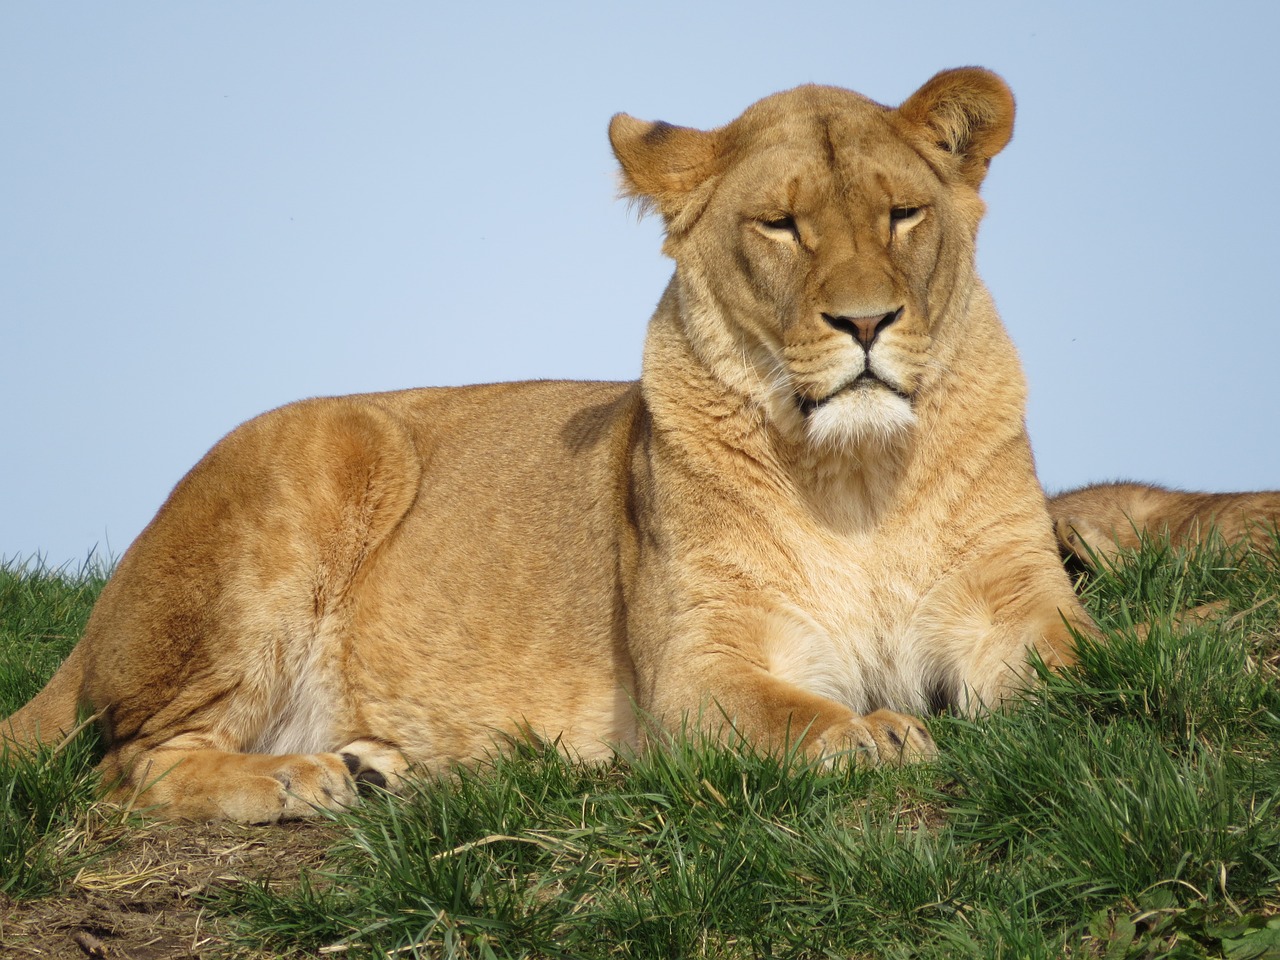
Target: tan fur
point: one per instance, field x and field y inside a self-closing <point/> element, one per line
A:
<point x="752" y="534"/>
<point x="1095" y="523"/>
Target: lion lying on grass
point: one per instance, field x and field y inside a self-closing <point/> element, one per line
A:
<point x="1095" y="523"/>
<point x="814" y="518"/>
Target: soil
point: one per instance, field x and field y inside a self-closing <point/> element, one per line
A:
<point x="144" y="899"/>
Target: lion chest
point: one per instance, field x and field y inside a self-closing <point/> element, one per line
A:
<point x="850" y="626"/>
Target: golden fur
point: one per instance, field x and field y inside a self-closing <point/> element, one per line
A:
<point x="1093" y="524"/>
<point x="814" y="517"/>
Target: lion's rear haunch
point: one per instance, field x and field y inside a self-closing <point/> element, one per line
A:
<point x="814" y="517"/>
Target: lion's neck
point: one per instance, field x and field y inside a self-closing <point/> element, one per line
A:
<point x="734" y="356"/>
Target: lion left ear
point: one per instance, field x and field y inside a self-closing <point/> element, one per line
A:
<point x="662" y="163"/>
<point x="968" y="112"/>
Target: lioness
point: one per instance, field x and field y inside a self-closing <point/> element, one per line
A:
<point x="814" y="517"/>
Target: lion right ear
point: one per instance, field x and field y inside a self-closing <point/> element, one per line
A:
<point x="661" y="163"/>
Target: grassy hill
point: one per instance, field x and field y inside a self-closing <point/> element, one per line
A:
<point x="1126" y="809"/>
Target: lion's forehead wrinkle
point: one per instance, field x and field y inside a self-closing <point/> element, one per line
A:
<point x="861" y="151"/>
<point x="828" y="143"/>
<point x="857" y="198"/>
<point x="834" y="157"/>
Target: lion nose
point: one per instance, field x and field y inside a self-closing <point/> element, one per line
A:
<point x="863" y="329"/>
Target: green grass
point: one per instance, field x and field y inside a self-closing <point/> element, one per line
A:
<point x="42" y="614"/>
<point x="1127" y="809"/>
<point x="45" y="798"/>
<point x="47" y="818"/>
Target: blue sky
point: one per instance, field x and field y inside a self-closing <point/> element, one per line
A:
<point x="208" y="210"/>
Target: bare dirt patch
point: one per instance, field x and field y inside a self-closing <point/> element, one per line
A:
<point x="144" y="898"/>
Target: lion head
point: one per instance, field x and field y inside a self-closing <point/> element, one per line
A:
<point x="824" y="243"/>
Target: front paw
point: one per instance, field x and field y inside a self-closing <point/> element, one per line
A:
<point x="880" y="737"/>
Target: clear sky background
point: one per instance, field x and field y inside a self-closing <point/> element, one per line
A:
<point x="208" y="210"/>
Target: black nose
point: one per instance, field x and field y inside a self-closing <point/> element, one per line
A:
<point x="863" y="329"/>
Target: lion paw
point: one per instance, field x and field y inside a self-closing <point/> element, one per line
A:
<point x="209" y="784"/>
<point x="880" y="737"/>
<point x="312" y="783"/>
<point x="373" y="763"/>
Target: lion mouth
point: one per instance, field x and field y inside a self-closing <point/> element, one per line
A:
<point x="866" y="380"/>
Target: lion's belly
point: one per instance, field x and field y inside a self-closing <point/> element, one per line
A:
<point x="496" y="610"/>
<point x="446" y="688"/>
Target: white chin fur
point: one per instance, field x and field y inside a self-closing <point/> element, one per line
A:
<point x="859" y="418"/>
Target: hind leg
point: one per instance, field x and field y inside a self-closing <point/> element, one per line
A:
<point x="247" y="787"/>
<point x="209" y="784"/>
<point x="219" y="653"/>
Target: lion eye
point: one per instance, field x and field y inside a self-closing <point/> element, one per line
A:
<point x="904" y="217"/>
<point x="781" y="225"/>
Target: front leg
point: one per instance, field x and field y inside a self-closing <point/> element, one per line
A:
<point x="982" y="625"/>
<point x="718" y="675"/>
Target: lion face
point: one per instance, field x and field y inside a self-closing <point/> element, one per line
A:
<point x="822" y="241"/>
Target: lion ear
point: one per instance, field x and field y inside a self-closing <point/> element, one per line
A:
<point x="662" y="163"/>
<point x="968" y="112"/>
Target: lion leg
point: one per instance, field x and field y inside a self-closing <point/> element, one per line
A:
<point x="203" y="783"/>
<point x="1104" y="518"/>
<point x="1087" y="542"/>
<point x="988" y="620"/>
<point x="209" y="784"/>
<point x="732" y="692"/>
